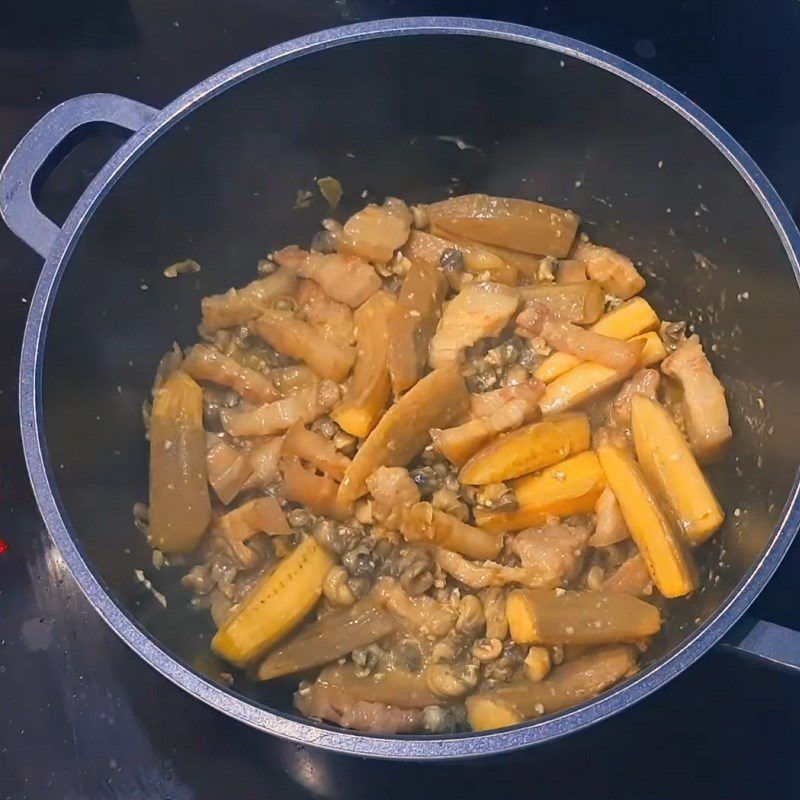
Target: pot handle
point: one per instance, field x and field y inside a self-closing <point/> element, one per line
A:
<point x="17" y="207"/>
<point x="765" y="642"/>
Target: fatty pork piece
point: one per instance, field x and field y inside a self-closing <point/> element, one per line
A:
<point x="233" y="469"/>
<point x="613" y="271"/>
<point x="237" y="306"/>
<point x="459" y="443"/>
<point x="553" y="554"/>
<point x="611" y="435"/>
<point x="428" y="525"/>
<point x="345" y="278"/>
<point x="228" y="468"/>
<point x="392" y="490"/>
<point x="584" y="344"/>
<point x="423" y="613"/>
<point x="630" y="577"/>
<point x="375" y="232"/>
<point x="549" y="556"/>
<point x="477" y="311"/>
<point x="236" y="527"/>
<point x="705" y="410"/>
<point x="333" y="320"/>
<point x="644" y="382"/>
<point x="298" y="339"/>
<point x="482" y="404"/>
<point x="270" y="418"/>
<point x="507" y="410"/>
<point x="264" y="456"/>
<point x="206" y="363"/>
<point x="611" y="527"/>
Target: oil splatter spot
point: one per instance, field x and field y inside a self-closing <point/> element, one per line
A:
<point x="36" y="634"/>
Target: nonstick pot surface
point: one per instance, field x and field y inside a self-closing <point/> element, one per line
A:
<point x="414" y="117"/>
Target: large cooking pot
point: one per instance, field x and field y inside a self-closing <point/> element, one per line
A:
<point x="409" y="108"/>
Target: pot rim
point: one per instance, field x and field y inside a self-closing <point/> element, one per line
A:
<point x="228" y="701"/>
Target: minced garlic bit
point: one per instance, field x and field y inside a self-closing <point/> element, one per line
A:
<point x="187" y="267"/>
<point x="140" y="576"/>
<point x="331" y="190"/>
<point x="303" y="198"/>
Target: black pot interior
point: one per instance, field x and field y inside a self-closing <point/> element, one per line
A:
<point x="219" y="188"/>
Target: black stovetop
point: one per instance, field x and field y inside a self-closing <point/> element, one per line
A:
<point x="83" y="717"/>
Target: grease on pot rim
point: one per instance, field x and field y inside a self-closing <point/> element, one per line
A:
<point x="446" y="459"/>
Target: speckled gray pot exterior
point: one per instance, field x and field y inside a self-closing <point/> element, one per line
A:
<point x="57" y="245"/>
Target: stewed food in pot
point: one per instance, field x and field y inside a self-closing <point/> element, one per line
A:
<point x="445" y="466"/>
